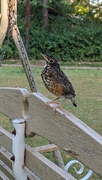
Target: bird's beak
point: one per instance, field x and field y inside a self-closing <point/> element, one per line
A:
<point x="44" y="56"/>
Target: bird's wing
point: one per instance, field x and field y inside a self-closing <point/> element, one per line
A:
<point x="63" y="80"/>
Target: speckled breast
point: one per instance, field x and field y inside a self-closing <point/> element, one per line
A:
<point x="50" y="83"/>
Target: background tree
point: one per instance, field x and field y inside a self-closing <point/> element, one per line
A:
<point x="73" y="33"/>
<point x="27" y="24"/>
<point x="45" y="13"/>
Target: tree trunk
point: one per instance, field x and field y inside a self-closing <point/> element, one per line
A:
<point x="71" y="1"/>
<point x="45" y="13"/>
<point x="87" y="3"/>
<point x="27" y="24"/>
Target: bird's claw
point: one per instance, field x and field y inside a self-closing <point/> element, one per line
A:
<point x="47" y="104"/>
<point x="50" y="102"/>
<point x="55" y="107"/>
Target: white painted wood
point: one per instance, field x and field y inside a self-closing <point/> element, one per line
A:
<point x="66" y="131"/>
<point x="13" y="102"/>
<point x="18" y="149"/>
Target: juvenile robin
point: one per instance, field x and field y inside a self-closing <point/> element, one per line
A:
<point x="56" y="81"/>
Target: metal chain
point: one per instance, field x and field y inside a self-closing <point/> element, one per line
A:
<point x="25" y="63"/>
<point x="25" y="60"/>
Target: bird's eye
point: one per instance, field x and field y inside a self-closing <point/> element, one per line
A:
<point x="51" y="60"/>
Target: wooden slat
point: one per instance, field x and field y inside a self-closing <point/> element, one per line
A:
<point x="3" y="176"/>
<point x="6" y="170"/>
<point x="44" y="168"/>
<point x="59" y="159"/>
<point x="5" y="157"/>
<point x="37" y="163"/>
<point x="6" y="139"/>
<point x="13" y="102"/>
<point x="66" y="131"/>
<point x="31" y="175"/>
<point x="46" y="148"/>
<point x="6" y="163"/>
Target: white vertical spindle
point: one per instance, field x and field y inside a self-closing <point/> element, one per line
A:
<point x="18" y="149"/>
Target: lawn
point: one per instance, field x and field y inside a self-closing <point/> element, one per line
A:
<point x="88" y="87"/>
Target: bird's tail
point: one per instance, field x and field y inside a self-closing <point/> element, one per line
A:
<point x="74" y="102"/>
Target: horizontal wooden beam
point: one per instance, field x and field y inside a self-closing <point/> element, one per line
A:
<point x="46" y="148"/>
<point x="66" y="131"/>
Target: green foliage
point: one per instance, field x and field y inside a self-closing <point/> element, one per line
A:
<point x="74" y="32"/>
<point x="81" y="10"/>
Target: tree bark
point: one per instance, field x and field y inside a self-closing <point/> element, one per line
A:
<point x="71" y="1"/>
<point x="27" y="24"/>
<point x="45" y="13"/>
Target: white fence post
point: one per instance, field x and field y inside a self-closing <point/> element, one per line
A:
<point x="18" y="149"/>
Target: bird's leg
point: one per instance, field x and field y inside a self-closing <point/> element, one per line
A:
<point x="59" y="105"/>
<point x="63" y="100"/>
<point x="52" y="102"/>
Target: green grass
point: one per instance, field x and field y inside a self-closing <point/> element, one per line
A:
<point x="88" y="86"/>
<point x="78" y="64"/>
<point x="66" y="63"/>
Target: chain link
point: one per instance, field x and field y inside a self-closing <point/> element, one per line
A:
<point x="25" y="62"/>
